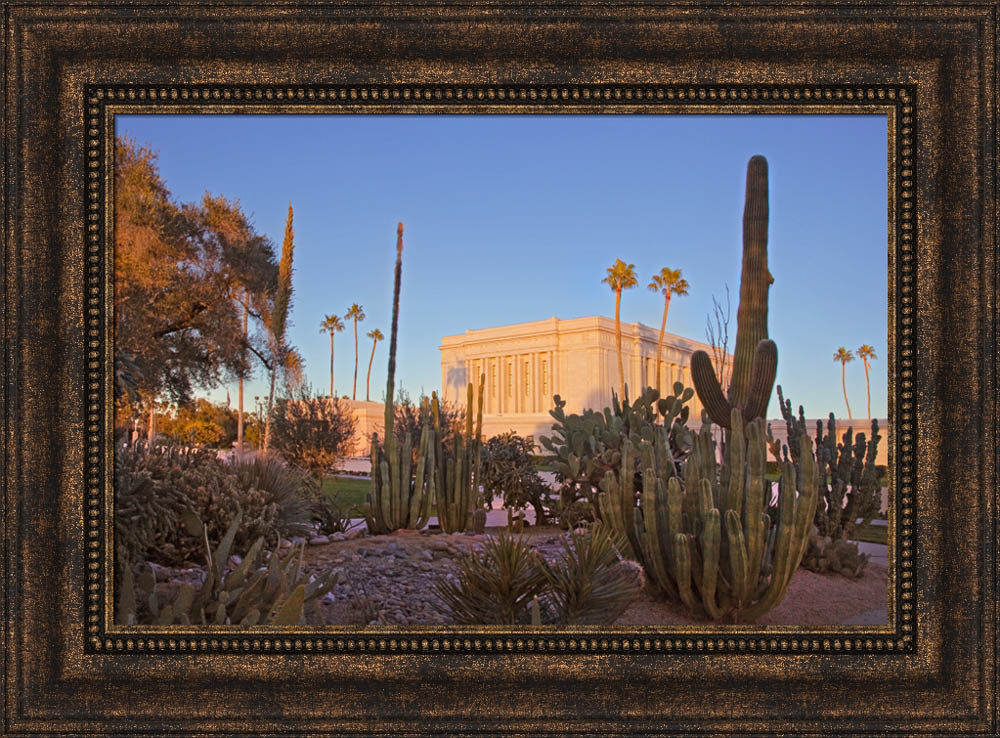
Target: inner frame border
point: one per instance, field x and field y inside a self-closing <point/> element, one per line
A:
<point x="103" y="102"/>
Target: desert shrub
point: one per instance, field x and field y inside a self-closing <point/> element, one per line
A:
<point x="291" y="489"/>
<point x="569" y="510"/>
<point x="331" y="515"/>
<point x="311" y="432"/>
<point x="165" y="494"/>
<point x="510" y="583"/>
<point x="508" y="469"/>
<point x="151" y="509"/>
<point x="409" y="419"/>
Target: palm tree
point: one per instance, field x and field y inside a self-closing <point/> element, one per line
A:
<point x="376" y="335"/>
<point x="331" y="324"/>
<point x="668" y="282"/>
<point x="844" y="356"/>
<point x="356" y="313"/>
<point x="866" y="352"/>
<point x="620" y="277"/>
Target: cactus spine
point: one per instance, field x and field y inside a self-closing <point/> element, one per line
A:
<point x="455" y="479"/>
<point x="755" y="359"/>
<point x="398" y="498"/>
<point x="711" y="544"/>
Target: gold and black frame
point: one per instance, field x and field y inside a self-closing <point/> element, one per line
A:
<point x="931" y="70"/>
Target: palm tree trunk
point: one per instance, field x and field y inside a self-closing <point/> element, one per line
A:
<point x="618" y="340"/>
<point x="659" y="346"/>
<point x="869" y="387"/>
<point x="270" y="404"/>
<point x="843" y="383"/>
<point x="239" y="409"/>
<point x="368" y="381"/>
<point x="152" y="423"/>
<point x="354" y="392"/>
<point x="331" y="365"/>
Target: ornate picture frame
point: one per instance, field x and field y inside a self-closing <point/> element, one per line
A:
<point x="69" y="69"/>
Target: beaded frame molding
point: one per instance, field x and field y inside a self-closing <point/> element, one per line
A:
<point x="69" y="66"/>
<point x="896" y="103"/>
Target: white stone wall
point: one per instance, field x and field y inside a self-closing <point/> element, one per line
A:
<point x="527" y="363"/>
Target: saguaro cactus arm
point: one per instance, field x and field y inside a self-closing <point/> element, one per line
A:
<point x="755" y="357"/>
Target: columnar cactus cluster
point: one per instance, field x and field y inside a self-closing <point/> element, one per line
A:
<point x="399" y="498"/>
<point x="707" y="540"/>
<point x="455" y="478"/>
<point x="755" y="359"/>
<point x="849" y="488"/>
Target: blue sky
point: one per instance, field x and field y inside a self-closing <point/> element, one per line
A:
<point x="516" y="218"/>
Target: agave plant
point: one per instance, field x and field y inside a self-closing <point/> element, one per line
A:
<point x="496" y="587"/>
<point x="283" y="486"/>
<point x="590" y="584"/>
<point x="510" y="583"/>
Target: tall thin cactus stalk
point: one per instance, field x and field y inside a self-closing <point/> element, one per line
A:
<point x="399" y="498"/>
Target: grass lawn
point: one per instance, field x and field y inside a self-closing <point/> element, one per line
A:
<point x="873" y="534"/>
<point x="350" y="491"/>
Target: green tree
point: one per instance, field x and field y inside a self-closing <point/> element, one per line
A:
<point x="843" y="356"/>
<point x="376" y="335"/>
<point x="180" y="273"/>
<point x="357" y="314"/>
<point x="225" y="218"/>
<point x="865" y="353"/>
<point x="331" y="324"/>
<point x="668" y="282"/>
<point x="620" y="277"/>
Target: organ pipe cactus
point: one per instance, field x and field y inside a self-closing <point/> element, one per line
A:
<point x="849" y="489"/>
<point x="399" y="498"/>
<point x="708" y="543"/>
<point x="755" y="360"/>
<point x="455" y="477"/>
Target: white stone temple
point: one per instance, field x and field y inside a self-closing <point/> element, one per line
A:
<point x="527" y="363"/>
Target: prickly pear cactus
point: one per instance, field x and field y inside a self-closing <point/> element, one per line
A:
<point x="587" y="446"/>
<point x="755" y="359"/>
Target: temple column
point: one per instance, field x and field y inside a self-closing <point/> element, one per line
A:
<point x="534" y="381"/>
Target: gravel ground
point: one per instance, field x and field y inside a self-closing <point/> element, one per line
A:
<point x="388" y="580"/>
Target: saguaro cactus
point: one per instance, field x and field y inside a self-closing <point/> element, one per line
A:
<point x="398" y="498"/>
<point x="755" y="360"/>
<point x="708" y="541"/>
